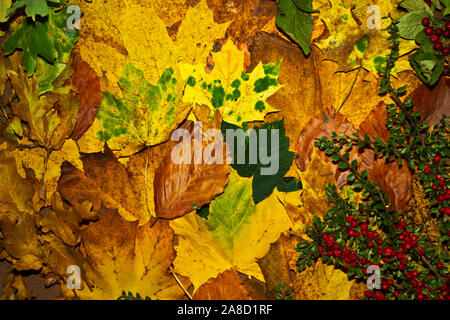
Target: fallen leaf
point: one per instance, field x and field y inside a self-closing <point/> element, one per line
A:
<point x="354" y="39"/>
<point x="125" y="256"/>
<point x="15" y="289"/>
<point x="183" y="187"/>
<point x="209" y="247"/>
<point x="88" y="92"/>
<point x="226" y="286"/>
<point x="146" y="115"/>
<point x="247" y="17"/>
<point x="99" y="185"/>
<point x="432" y="102"/>
<point x="240" y="97"/>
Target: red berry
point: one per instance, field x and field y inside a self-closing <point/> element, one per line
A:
<point x="438" y="31"/>
<point x="362" y="260"/>
<point x="421" y="252"/>
<point x="396" y="294"/>
<point x="329" y="253"/>
<point x="441" y="198"/>
<point x="434" y="37"/>
<point x="446" y="51"/>
<point x="380" y="241"/>
<point x="428" y="2"/>
<point x="401" y="267"/>
<point x="385" y="286"/>
<point x="437" y="158"/>
<point x="439" y="265"/>
<point x="420" y="296"/>
<point x="336" y="246"/>
<point x="446" y="34"/>
<point x="415" y="274"/>
<point x="438" y="46"/>
<point x="368" y="294"/>
<point x="425" y="22"/>
<point x="447" y="26"/>
<point x="429" y="31"/>
<point x="427" y="169"/>
<point x="370" y="244"/>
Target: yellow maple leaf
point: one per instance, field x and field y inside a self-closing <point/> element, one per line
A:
<point x="127" y="257"/>
<point x="223" y="241"/>
<point x="150" y="47"/>
<point x="239" y="96"/>
<point x="355" y="39"/>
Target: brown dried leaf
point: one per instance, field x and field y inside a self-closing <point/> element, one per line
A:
<point x="226" y="286"/>
<point x="181" y="188"/>
<point x="434" y="102"/>
<point x="248" y="16"/>
<point x="86" y="81"/>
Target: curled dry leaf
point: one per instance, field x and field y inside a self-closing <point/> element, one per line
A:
<point x="183" y="183"/>
<point x="88" y="92"/>
<point x="226" y="286"/>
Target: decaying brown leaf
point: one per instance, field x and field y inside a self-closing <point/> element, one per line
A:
<point x="434" y="102"/>
<point x="181" y="188"/>
<point x="87" y="83"/>
<point x="226" y="286"/>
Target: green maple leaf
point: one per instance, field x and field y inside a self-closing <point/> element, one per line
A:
<point x="48" y="38"/>
<point x="263" y="185"/>
<point x="146" y="115"/>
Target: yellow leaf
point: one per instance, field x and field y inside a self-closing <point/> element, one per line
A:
<point x="151" y="49"/>
<point x="209" y="247"/>
<point x="240" y="97"/>
<point x="351" y="42"/>
<point x="127" y="257"/>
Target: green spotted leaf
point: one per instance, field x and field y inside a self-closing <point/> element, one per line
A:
<point x="240" y="96"/>
<point x="146" y="115"/>
<point x="269" y="173"/>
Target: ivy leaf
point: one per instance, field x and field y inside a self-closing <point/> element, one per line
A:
<point x="240" y="97"/>
<point x="146" y="115"/>
<point x="411" y="24"/>
<point x="263" y="185"/>
<point x="292" y="16"/>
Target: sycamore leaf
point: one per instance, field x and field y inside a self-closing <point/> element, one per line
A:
<point x="127" y="257"/>
<point x="264" y="178"/>
<point x="354" y="38"/>
<point x="209" y="247"/>
<point x="183" y="187"/>
<point x="240" y="97"/>
<point x="226" y="286"/>
<point x="152" y="50"/>
<point x="146" y="115"/>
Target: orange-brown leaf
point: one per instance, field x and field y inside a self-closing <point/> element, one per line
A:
<point x="226" y="286"/>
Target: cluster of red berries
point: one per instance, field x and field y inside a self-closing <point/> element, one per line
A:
<point x="409" y="247"/>
<point x="441" y="188"/>
<point x="436" y="34"/>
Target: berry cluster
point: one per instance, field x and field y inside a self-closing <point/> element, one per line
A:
<point x="439" y="186"/>
<point x="436" y="35"/>
<point x="398" y="254"/>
